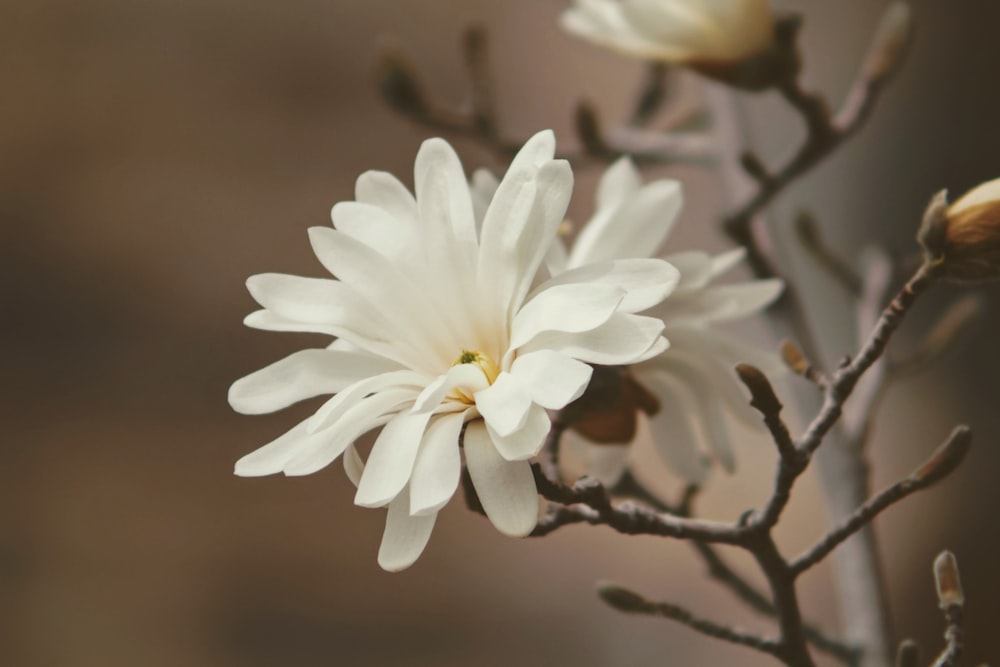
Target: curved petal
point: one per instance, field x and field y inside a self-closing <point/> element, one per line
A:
<point x="553" y="380"/>
<point x="439" y="464"/>
<point x="335" y="408"/>
<point x="382" y="189"/>
<point x="301" y="375"/>
<point x="362" y="417"/>
<point x="467" y="377"/>
<point x="353" y="465"/>
<point x="725" y="303"/>
<point x="572" y="308"/>
<point x="636" y="229"/>
<point x="374" y="227"/>
<point x="674" y="439"/>
<point x="391" y="460"/>
<point x="528" y="440"/>
<point x="623" y="339"/>
<point x="619" y="182"/>
<point x="405" y="535"/>
<point x="272" y="457"/>
<point x="506" y="489"/>
<point x="646" y="282"/>
<point x="387" y="290"/>
<point x="605" y="463"/>
<point x="504" y="404"/>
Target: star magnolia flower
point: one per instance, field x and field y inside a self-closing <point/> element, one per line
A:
<point x="440" y="327"/>
<point x="693" y="380"/>
<point x="706" y="32"/>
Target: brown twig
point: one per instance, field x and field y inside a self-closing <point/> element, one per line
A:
<point x="630" y="602"/>
<point x="825" y="133"/>
<point x="942" y="463"/>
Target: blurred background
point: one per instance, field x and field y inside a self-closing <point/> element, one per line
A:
<point x="154" y="154"/>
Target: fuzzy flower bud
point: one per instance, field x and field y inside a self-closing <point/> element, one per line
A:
<point x="965" y="237"/>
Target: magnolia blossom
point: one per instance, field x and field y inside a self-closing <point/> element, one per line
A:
<point x="441" y="326"/>
<point x="703" y="32"/>
<point x="693" y="380"/>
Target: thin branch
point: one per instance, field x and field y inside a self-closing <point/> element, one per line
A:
<point x="630" y="602"/>
<point x="825" y="132"/>
<point x="942" y="463"/>
<point x="628" y="517"/>
<point x="811" y="238"/>
<point x="846" y="378"/>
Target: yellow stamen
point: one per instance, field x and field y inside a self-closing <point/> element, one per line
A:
<point x="481" y="361"/>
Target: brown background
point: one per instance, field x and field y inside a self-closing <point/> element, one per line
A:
<point x="153" y="154"/>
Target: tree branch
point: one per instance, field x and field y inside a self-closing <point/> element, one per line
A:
<point x="630" y="602"/>
<point x="942" y="463"/>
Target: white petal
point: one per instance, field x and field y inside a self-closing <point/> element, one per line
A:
<point x="623" y="339"/>
<point x="362" y="417"/>
<point x="725" y="303"/>
<point x="710" y="416"/>
<point x="391" y="460"/>
<point x="526" y="441"/>
<point x="265" y="320"/>
<point x="272" y="457"/>
<point x="443" y="193"/>
<point x="353" y="465"/>
<point x="619" y="182"/>
<point x="375" y="228"/>
<point x="504" y="404"/>
<point x="333" y="409"/>
<point x="387" y="290"/>
<point x="670" y="429"/>
<point x="384" y="190"/>
<point x="572" y="307"/>
<point x="605" y="463"/>
<point x="554" y="380"/>
<point x="405" y="535"/>
<point x="482" y="187"/>
<point x="536" y="151"/>
<point x="302" y="375"/>
<point x="635" y="230"/>
<point x="506" y="489"/>
<point x="439" y="464"/>
<point x="555" y="186"/>
<point x="646" y="282"/>
<point x="467" y="377"/>
<point x="725" y="262"/>
<point x="687" y="353"/>
<point x="695" y="267"/>
<point x="325" y="306"/>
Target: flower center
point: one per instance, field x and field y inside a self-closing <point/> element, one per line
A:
<point x="481" y="361"/>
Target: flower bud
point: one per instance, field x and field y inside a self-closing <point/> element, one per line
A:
<point x="733" y="41"/>
<point x="964" y="238"/>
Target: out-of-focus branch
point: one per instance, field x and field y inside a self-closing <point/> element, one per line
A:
<point x="630" y="602"/>
<point x="811" y="239"/>
<point x="941" y="464"/>
<point x="846" y="378"/>
<point x="402" y="90"/>
<point x="825" y="131"/>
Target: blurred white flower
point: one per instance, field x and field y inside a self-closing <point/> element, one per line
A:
<point x="693" y="380"/>
<point x="685" y="32"/>
<point x="438" y="325"/>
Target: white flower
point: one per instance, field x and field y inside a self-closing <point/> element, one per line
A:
<point x="438" y="325"/>
<point x="705" y="32"/>
<point x="693" y="379"/>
